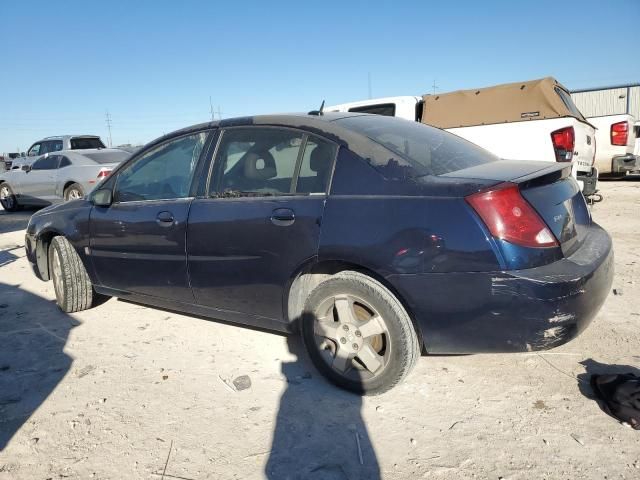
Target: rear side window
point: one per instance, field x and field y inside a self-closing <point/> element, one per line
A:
<point x="83" y="143"/>
<point x="386" y="109"/>
<point x="64" y="162"/>
<point x="419" y="150"/>
<point x="316" y="166"/>
<point x="48" y="163"/>
<point x="256" y="161"/>
<point x="54" y="145"/>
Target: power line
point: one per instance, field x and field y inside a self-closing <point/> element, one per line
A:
<point x="108" y="119"/>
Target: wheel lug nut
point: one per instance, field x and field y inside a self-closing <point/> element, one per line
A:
<point x="343" y="340"/>
<point x="345" y="327"/>
<point x="355" y="346"/>
<point x="358" y="334"/>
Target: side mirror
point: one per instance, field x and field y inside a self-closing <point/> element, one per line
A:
<point x="31" y="154"/>
<point x="102" y="197"/>
<point x="26" y="168"/>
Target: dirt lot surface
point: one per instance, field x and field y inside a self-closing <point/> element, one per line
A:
<point x="128" y="392"/>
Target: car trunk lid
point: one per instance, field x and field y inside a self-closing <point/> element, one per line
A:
<point x="548" y="187"/>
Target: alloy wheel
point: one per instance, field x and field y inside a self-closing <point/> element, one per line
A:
<point x="352" y="337"/>
<point x="6" y="197"/>
<point x="74" y="194"/>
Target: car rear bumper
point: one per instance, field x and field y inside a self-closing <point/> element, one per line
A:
<point x="624" y="163"/>
<point x="515" y="311"/>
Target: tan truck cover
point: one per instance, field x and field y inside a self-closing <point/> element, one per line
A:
<point x="510" y="102"/>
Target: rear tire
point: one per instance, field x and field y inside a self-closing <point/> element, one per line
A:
<point x="8" y="199"/>
<point x="358" y="334"/>
<point x="71" y="282"/>
<point x="73" y="192"/>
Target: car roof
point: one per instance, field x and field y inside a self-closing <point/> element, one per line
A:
<point x="309" y="121"/>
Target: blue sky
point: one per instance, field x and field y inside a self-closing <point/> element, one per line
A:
<point x="153" y="65"/>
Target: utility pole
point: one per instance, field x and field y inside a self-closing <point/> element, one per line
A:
<point x="219" y="113"/>
<point x="211" y="109"/>
<point x="108" y="120"/>
<point x="434" y="86"/>
<point x="369" y="83"/>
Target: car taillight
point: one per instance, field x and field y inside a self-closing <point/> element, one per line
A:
<point x="103" y="173"/>
<point x="564" y="141"/>
<point x="619" y="133"/>
<point x="508" y="216"/>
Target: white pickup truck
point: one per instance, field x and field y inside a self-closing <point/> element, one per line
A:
<point x="615" y="145"/>
<point x="535" y="120"/>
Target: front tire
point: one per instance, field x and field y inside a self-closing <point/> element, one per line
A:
<point x="358" y="334"/>
<point x="8" y="199"/>
<point x="71" y="282"/>
<point x="73" y="192"/>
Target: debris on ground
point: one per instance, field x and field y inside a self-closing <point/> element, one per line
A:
<point x="242" y="382"/>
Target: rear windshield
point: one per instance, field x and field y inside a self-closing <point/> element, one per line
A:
<point x="83" y="143"/>
<point x="111" y="156"/>
<point x="423" y="150"/>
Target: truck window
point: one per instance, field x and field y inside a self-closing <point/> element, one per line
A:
<point x="83" y="143"/>
<point x="386" y="109"/>
<point x="421" y="150"/>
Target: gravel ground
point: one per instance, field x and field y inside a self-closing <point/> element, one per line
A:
<point x="125" y="391"/>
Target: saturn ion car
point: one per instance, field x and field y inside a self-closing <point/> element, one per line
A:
<point x="379" y="239"/>
<point x="57" y="177"/>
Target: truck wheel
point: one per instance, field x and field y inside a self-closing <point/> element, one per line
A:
<point x="358" y="334"/>
<point x="73" y="192"/>
<point x="8" y="199"/>
<point x="71" y="283"/>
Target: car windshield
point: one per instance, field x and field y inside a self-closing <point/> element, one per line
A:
<point x="83" y="143"/>
<point x="423" y="150"/>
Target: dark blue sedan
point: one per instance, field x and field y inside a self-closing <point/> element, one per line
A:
<point x="377" y="238"/>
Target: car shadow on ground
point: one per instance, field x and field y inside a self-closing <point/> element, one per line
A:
<point x="14" y="221"/>
<point x="33" y="333"/>
<point x="319" y="431"/>
<point x="593" y="367"/>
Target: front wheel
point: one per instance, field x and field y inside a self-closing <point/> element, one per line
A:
<point x="71" y="282"/>
<point x="8" y="199"/>
<point x="358" y="334"/>
<point x="73" y="192"/>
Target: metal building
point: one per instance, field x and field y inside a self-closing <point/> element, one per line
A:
<point x="611" y="100"/>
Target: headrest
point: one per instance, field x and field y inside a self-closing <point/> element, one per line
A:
<point x="259" y="165"/>
<point x="320" y="160"/>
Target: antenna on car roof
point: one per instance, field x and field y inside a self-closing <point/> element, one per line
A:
<point x="318" y="112"/>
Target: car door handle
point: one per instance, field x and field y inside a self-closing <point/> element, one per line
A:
<point x="283" y="217"/>
<point x="165" y="219"/>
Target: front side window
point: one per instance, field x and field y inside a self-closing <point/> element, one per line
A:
<point x="34" y="150"/>
<point x="257" y="161"/>
<point x="50" y="162"/>
<point x="164" y="172"/>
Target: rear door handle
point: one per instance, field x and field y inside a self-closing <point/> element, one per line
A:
<point x="165" y="219"/>
<point x="283" y="217"/>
